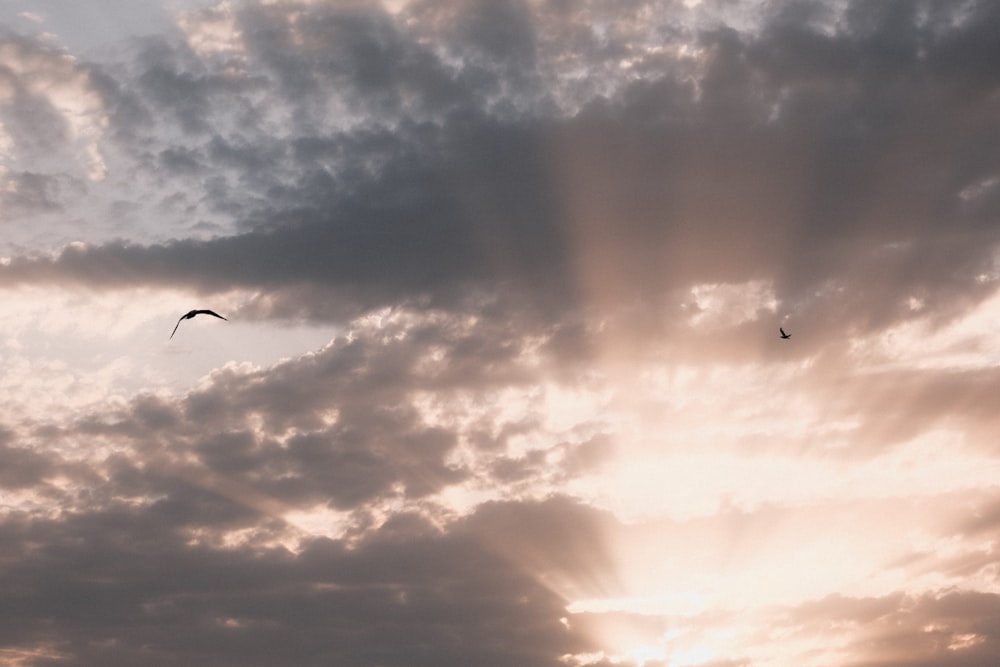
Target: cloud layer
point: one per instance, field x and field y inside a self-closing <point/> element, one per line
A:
<point x="555" y="425"/>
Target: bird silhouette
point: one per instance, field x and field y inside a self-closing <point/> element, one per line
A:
<point x="783" y="334"/>
<point x="191" y="314"/>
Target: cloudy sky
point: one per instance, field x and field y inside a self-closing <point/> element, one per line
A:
<point x="501" y="383"/>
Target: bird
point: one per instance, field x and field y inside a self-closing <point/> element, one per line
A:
<point x="783" y="334"/>
<point x="191" y="314"/>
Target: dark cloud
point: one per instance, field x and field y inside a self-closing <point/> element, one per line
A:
<point x="27" y="193"/>
<point x="408" y="236"/>
<point x="24" y="468"/>
<point x="832" y="164"/>
<point x="120" y="584"/>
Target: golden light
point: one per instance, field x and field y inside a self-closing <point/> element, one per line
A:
<point x="727" y="471"/>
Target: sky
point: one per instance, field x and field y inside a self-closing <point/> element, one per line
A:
<point x="501" y="381"/>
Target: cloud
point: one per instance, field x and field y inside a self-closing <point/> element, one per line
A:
<point x="177" y="535"/>
<point x="26" y="467"/>
<point x="184" y="515"/>
<point x="138" y="591"/>
<point x="47" y="106"/>
<point x="773" y="154"/>
<point x="555" y="425"/>
<point x="947" y="628"/>
<point x="179" y="517"/>
<point x="26" y="193"/>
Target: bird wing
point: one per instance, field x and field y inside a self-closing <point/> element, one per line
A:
<point x="210" y="312"/>
<point x="175" y="326"/>
<point x="782" y="331"/>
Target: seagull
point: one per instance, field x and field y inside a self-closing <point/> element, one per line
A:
<point x="783" y="334"/>
<point x="192" y="314"/>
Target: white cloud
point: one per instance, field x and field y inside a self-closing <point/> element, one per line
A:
<point x="727" y="305"/>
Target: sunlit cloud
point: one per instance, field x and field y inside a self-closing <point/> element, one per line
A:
<point x="213" y="32"/>
<point x="730" y="305"/>
<point x="501" y="380"/>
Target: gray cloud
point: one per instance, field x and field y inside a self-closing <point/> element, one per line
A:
<point x="950" y="628"/>
<point x="27" y="193"/>
<point x="170" y="549"/>
<point x="798" y="156"/>
<point x="24" y="468"/>
<point x="30" y="117"/>
<point x="119" y="582"/>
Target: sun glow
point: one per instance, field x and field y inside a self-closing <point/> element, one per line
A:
<point x="717" y="474"/>
<point x="660" y="651"/>
<point x="643" y="654"/>
<point x="664" y="604"/>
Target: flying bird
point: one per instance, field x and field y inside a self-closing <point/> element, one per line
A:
<point x="192" y="314"/>
<point x="783" y="334"/>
